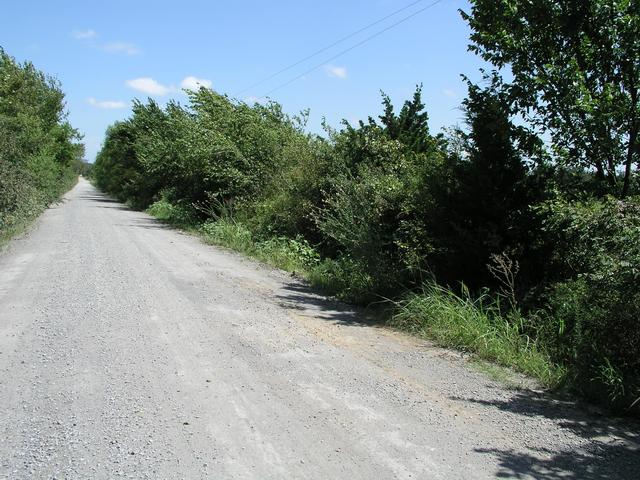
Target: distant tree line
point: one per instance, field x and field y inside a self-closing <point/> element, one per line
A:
<point x="534" y="202"/>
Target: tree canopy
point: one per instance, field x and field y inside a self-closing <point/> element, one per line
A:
<point x="575" y="74"/>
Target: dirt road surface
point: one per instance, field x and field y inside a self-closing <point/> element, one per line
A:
<point x="130" y="350"/>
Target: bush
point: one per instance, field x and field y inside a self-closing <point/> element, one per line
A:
<point x="39" y="159"/>
<point x="595" y="309"/>
<point x="294" y="192"/>
<point x="229" y="234"/>
<point x="19" y="200"/>
<point x="181" y="215"/>
<point x="293" y="255"/>
<point x="376" y="210"/>
<point x="345" y="278"/>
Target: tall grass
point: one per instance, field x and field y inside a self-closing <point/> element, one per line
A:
<point x="173" y="214"/>
<point x="292" y="255"/>
<point x="340" y="277"/>
<point x="26" y="205"/>
<point x="476" y="326"/>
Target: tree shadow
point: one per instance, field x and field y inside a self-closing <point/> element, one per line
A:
<point x="613" y="450"/>
<point x="146" y="223"/>
<point x="98" y="197"/>
<point x="615" y="462"/>
<point x="304" y="298"/>
<point x="102" y="201"/>
<point x="612" y="445"/>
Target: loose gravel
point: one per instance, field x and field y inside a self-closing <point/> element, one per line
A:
<point x="130" y="350"/>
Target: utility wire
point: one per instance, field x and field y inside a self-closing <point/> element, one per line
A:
<point x="324" y="49"/>
<point x="370" y="37"/>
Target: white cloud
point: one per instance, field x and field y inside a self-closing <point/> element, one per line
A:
<point x="121" y="47"/>
<point x="149" y="86"/>
<point x="84" y="34"/>
<point x="107" y="104"/>
<point x="336" y="72"/>
<point x="448" y="92"/>
<point x="194" y="83"/>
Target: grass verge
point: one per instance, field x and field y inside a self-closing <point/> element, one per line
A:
<point x="475" y="326"/>
<point x="19" y="221"/>
<point x="463" y="323"/>
<point x="17" y="227"/>
<point x="292" y="255"/>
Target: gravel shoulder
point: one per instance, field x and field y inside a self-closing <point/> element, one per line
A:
<point x="131" y="350"/>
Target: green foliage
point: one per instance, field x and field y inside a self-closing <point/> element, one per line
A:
<point x="293" y="255"/>
<point x="475" y="325"/>
<point x="116" y="166"/>
<point x="19" y="200"/>
<point x="216" y="152"/>
<point x="343" y="277"/>
<point x="595" y="306"/>
<point x="179" y="215"/>
<point x="346" y="278"/>
<point x="575" y="68"/>
<point x="362" y="214"/>
<point x="375" y="210"/>
<point x="39" y="156"/>
<point x="230" y="234"/>
<point x="410" y="127"/>
<point x="482" y="204"/>
<point x="371" y="211"/>
<point x="286" y="203"/>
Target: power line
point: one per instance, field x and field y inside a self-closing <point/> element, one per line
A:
<point x="371" y="37"/>
<point x="324" y="49"/>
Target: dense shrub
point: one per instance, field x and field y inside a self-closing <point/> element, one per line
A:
<point x="595" y="310"/>
<point x="362" y="214"/>
<point x="214" y="153"/>
<point x="292" y="194"/>
<point x="374" y="209"/>
<point x="19" y="199"/>
<point x="379" y="207"/>
<point x="39" y="156"/>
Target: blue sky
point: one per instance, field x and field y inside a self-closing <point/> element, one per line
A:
<point x="105" y="53"/>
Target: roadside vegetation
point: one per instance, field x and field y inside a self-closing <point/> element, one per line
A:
<point x="484" y="237"/>
<point x="40" y="156"/>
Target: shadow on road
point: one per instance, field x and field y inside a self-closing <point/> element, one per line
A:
<point x="103" y="201"/>
<point x="615" y="462"/>
<point x="614" y="443"/>
<point x="300" y="297"/>
<point x="147" y="223"/>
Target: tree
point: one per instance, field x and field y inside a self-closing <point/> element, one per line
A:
<point x="411" y="126"/>
<point x="576" y="74"/>
<point x="483" y="203"/>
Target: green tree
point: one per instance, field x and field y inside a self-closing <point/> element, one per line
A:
<point x="576" y="73"/>
<point x="39" y="153"/>
<point x="482" y="202"/>
<point x="410" y="126"/>
<point x="378" y="205"/>
<point x="116" y="166"/>
<point x="593" y="324"/>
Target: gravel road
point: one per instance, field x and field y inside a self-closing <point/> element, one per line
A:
<point x="130" y="350"/>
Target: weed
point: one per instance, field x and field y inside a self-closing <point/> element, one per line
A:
<point x="476" y="326"/>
